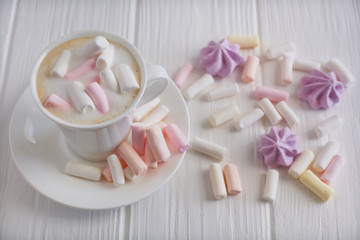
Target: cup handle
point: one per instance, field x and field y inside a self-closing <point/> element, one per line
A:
<point x="157" y="81"/>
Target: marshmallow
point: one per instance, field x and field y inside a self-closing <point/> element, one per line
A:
<point x="232" y="179"/>
<point x="312" y="182"/>
<point x="129" y="174"/>
<point x="162" y="125"/>
<point x="107" y="174"/>
<point x="249" y="72"/>
<point x="133" y="160"/>
<point x="251" y="41"/>
<point x="223" y="91"/>
<point x="82" y="69"/>
<point x="217" y="181"/>
<point x="287" y="68"/>
<point x="305" y="65"/>
<point x="93" y="47"/>
<point x="324" y="157"/>
<point x="83" y="170"/>
<point x="29" y="131"/>
<point x="183" y="74"/>
<point x="98" y="97"/>
<point x="107" y="78"/>
<point x="328" y="126"/>
<point x="224" y="115"/>
<point x="271" y="93"/>
<point x="209" y="148"/>
<point x="270" y="111"/>
<point x="61" y="66"/>
<point x="287" y="113"/>
<point x="332" y="170"/>
<point x="126" y="78"/>
<point x="271" y="185"/>
<point x="116" y="169"/>
<point x="157" y="115"/>
<point x="80" y="99"/>
<point x="250" y="118"/>
<point x="342" y="72"/>
<point x="149" y="158"/>
<point x="279" y="50"/>
<point x="105" y="59"/>
<point x="140" y="112"/>
<point x="138" y="138"/>
<point x="301" y="163"/>
<point x="157" y="143"/>
<point x="176" y="136"/>
<point x="205" y="81"/>
<point x="54" y="101"/>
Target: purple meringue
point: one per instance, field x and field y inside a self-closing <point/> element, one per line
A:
<point x="279" y="147"/>
<point x="320" y="90"/>
<point x="220" y="59"/>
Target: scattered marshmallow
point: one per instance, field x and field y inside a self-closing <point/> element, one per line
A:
<point x="107" y="174"/>
<point x="342" y="72"/>
<point x="332" y="170"/>
<point x="157" y="143"/>
<point x="105" y="59"/>
<point x="116" y="169"/>
<point x="183" y="74"/>
<point x="324" y="157"/>
<point x="314" y="184"/>
<point x="138" y="138"/>
<point x="61" y="66"/>
<point x="80" y="99"/>
<point x="224" y="115"/>
<point x="133" y="160"/>
<point x="29" y="131"/>
<point x="54" y="101"/>
<point x="142" y="111"/>
<point x="232" y="179"/>
<point x="251" y="41"/>
<point x="209" y="148"/>
<point x="271" y="185"/>
<point x="301" y="163"/>
<point x="177" y="137"/>
<point x="129" y="174"/>
<point x="107" y="78"/>
<point x="98" y="96"/>
<point x="250" y="118"/>
<point x="249" y="72"/>
<point x="328" y="126"/>
<point x="279" y="50"/>
<point x="157" y="115"/>
<point x="126" y="78"/>
<point x="149" y="158"/>
<point x="82" y="69"/>
<point x="268" y="108"/>
<point x="223" y="91"/>
<point x="217" y="181"/>
<point x="287" y="113"/>
<point x="287" y="68"/>
<point x="93" y="47"/>
<point x="271" y="93"/>
<point x="305" y="65"/>
<point x="83" y="170"/>
<point x="205" y="81"/>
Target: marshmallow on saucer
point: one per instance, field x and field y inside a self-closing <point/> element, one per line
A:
<point x="126" y="78"/>
<point x="157" y="115"/>
<point x="105" y="59"/>
<point x="133" y="160"/>
<point x="176" y="136"/>
<point x="149" y="158"/>
<point x="129" y="174"/>
<point x="107" y="78"/>
<point x="138" y="138"/>
<point x="116" y="169"/>
<point x="83" y="170"/>
<point x="157" y="143"/>
<point x="143" y="110"/>
<point x="82" y="69"/>
<point x="98" y="97"/>
<point x="80" y="99"/>
<point x="61" y="66"/>
<point x="93" y="47"/>
<point x="107" y="174"/>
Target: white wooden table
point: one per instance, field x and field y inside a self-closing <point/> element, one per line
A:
<point x="172" y="33"/>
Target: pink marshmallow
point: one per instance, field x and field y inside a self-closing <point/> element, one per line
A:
<point x="271" y="93"/>
<point x="232" y="179"/>
<point x="149" y="157"/>
<point x="98" y="97"/>
<point x="177" y="137"/>
<point x="157" y="143"/>
<point x="183" y="74"/>
<point x="54" y="101"/>
<point x="138" y="138"/>
<point x="81" y="69"/>
<point x="133" y="160"/>
<point x="107" y="174"/>
<point x="332" y="169"/>
<point x="249" y="72"/>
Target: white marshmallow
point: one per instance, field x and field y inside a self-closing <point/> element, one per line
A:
<point x="156" y="116"/>
<point x="126" y="78"/>
<point x="279" y="50"/>
<point x="107" y="78"/>
<point x="140" y="112"/>
<point x="80" y="99"/>
<point x="223" y="91"/>
<point x="129" y="174"/>
<point x="305" y="65"/>
<point x="250" y="118"/>
<point x="271" y="185"/>
<point x="83" y="170"/>
<point x="324" y="157"/>
<point x="116" y="170"/>
<point x="287" y="113"/>
<point x="217" y="181"/>
<point x="61" y="66"/>
<point x="93" y="47"/>
<point x="301" y="163"/>
<point x="224" y="115"/>
<point x="209" y="148"/>
<point x="329" y="125"/>
<point x="205" y="81"/>
<point x="29" y="131"/>
<point x="105" y="59"/>
<point x="270" y="111"/>
<point x="287" y="68"/>
<point x="342" y="72"/>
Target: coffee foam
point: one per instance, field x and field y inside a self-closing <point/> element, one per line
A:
<point x="47" y="84"/>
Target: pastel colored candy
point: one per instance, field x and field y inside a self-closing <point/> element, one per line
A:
<point x="126" y="78"/>
<point x="93" y="47"/>
<point x="271" y="185"/>
<point x="249" y="118"/>
<point x="79" y="98"/>
<point x="107" y="174"/>
<point x="249" y="71"/>
<point x="157" y="143"/>
<point x="301" y="163"/>
<point x="287" y="68"/>
<point x="149" y="158"/>
<point x="277" y="51"/>
<point x="138" y="138"/>
<point x="156" y="116"/>
<point x="232" y="179"/>
<point x="183" y="74"/>
<point x="107" y="78"/>
<point x="105" y="59"/>
<point x="199" y="85"/>
<point x="288" y="114"/>
<point x="224" y="91"/>
<point x="177" y="137"/>
<point x="305" y="65"/>
<point x="83" y="170"/>
<point x="54" y="101"/>
<point x="133" y="160"/>
<point x="324" y="157"/>
<point x="332" y="170"/>
<point x="217" y="181"/>
<point x="82" y="69"/>
<point x="224" y="115"/>
<point x="98" y="97"/>
<point x="209" y="148"/>
<point x="342" y="72"/>
<point x="61" y="65"/>
<point x="143" y="110"/>
<point x="270" y="111"/>
<point x="250" y="41"/>
<point x="129" y="174"/>
<point x="116" y="170"/>
<point x="272" y="94"/>
<point x="314" y="184"/>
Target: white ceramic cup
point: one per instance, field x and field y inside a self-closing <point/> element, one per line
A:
<point x="94" y="142"/>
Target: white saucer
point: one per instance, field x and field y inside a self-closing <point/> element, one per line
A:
<point x="42" y="164"/>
